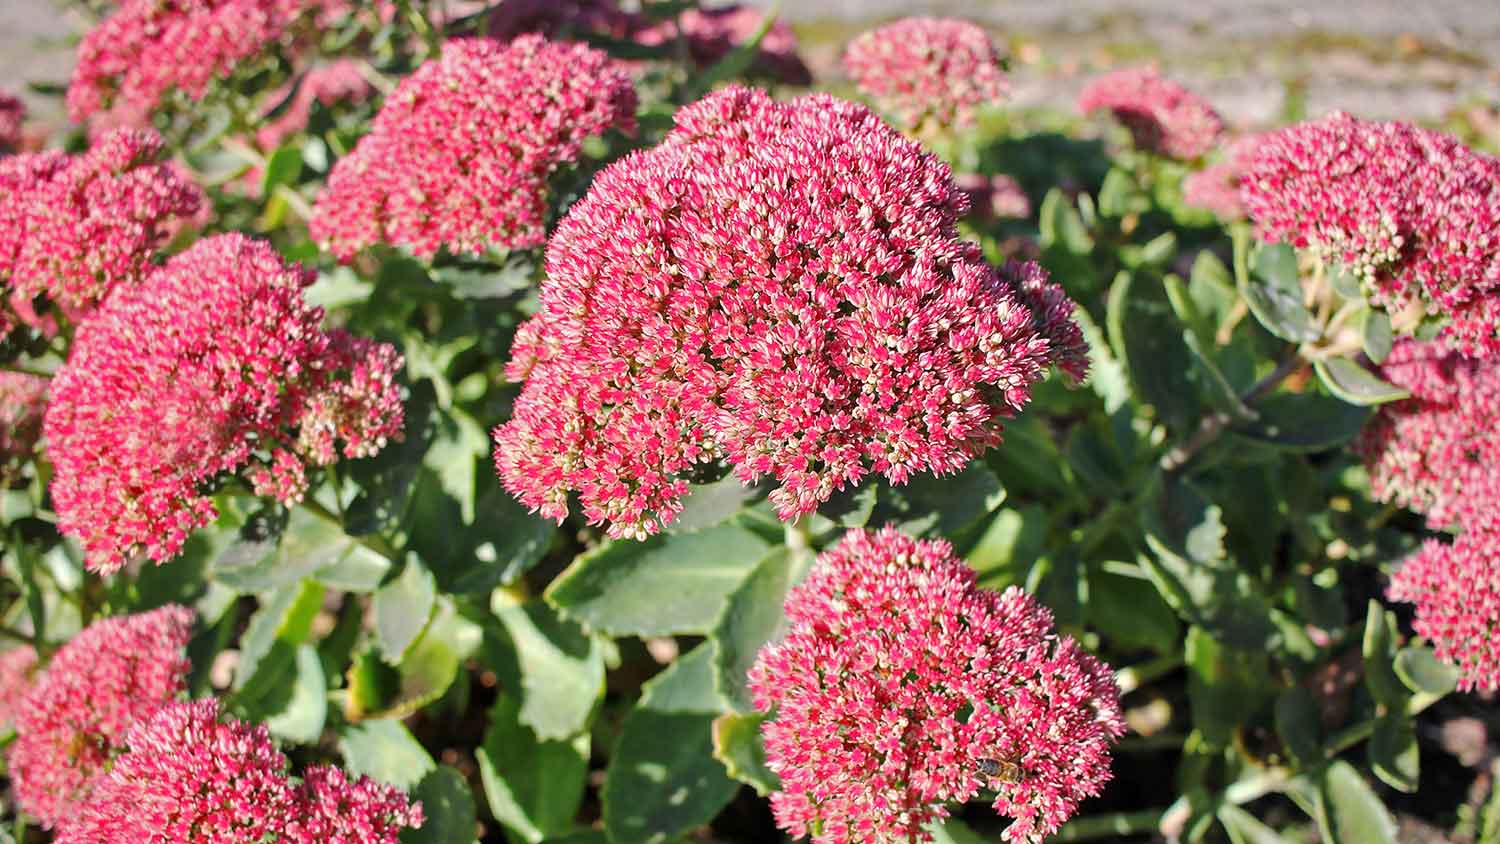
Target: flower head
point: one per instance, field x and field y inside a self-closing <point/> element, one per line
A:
<point x="1216" y="188"/>
<point x="23" y="398"/>
<point x="75" y="716"/>
<point x="920" y="69"/>
<point x="899" y="681"/>
<point x="712" y="33"/>
<point x="460" y="154"/>
<point x="1162" y="116"/>
<point x="146" y="49"/>
<point x="75" y="227"/>
<point x="1413" y="213"/>
<point x="191" y="773"/>
<point x="17" y="666"/>
<point x="778" y="285"/>
<point x="1456" y="589"/>
<point x="12" y="115"/>
<point x="1438" y="452"/>
<point x="211" y="365"/>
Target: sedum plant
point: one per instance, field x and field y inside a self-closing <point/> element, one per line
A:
<point x="582" y="422"/>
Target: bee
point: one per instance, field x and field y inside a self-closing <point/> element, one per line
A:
<point x="1004" y="770"/>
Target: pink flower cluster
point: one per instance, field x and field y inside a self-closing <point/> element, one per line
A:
<point x="16" y="668"/>
<point x="146" y="49"/>
<point x="75" y="716"/>
<point x="1438" y="452"/>
<point x="72" y="228"/>
<point x="23" y="398"/>
<point x="1163" y="117"/>
<point x="778" y="285"/>
<point x="1216" y="188"/>
<point x="900" y="681"/>
<point x="1456" y="589"/>
<point x="12" y="115"/>
<point x="996" y="197"/>
<point x="191" y="773"/>
<point x="338" y="81"/>
<point x="1413" y="213"/>
<point x="213" y="364"/>
<point x="927" y="69"/>
<point x="460" y="154"/>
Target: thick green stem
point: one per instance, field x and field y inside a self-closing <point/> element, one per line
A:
<point x="799" y="535"/>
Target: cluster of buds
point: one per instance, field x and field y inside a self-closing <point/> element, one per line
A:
<point x="191" y="773"/>
<point x="921" y="70"/>
<point x="1163" y="117"/>
<point x="1414" y="214"/>
<point x="214" y="363"/>
<point x="460" y="154"/>
<point x="780" y="286"/>
<point x="902" y="687"/>
<point x="74" y="227"/>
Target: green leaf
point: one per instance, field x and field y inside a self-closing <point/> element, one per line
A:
<point x="707" y="505"/>
<point x="1393" y="752"/>
<point x="384" y="750"/>
<point x="1213" y="292"/>
<point x="1131" y="613"/>
<point x="515" y="275"/>
<point x="663" y="779"/>
<point x="282" y="168"/>
<point x="738" y="744"/>
<point x="534" y="787"/>
<point x="1421" y="671"/>
<point x="689" y="687"/>
<point x="1147" y="340"/>
<point x="929" y="505"/>
<point x="1243" y="828"/>
<point x="1355" y="384"/>
<point x="1216" y="386"/>
<point x="1375" y="334"/>
<point x="1379" y="649"/>
<point x="753" y="616"/>
<point x="666" y="585"/>
<point x="269" y="645"/>
<point x="448" y="813"/>
<point x="1300" y="422"/>
<point x="1273" y="290"/>
<point x="1297" y="723"/>
<point x="1226" y="685"/>
<point x="502" y="543"/>
<point x="1489" y="818"/>
<point x="425" y="673"/>
<point x="301" y="720"/>
<point x="402" y="609"/>
<point x="1119" y="195"/>
<point x="1009" y="545"/>
<point x="457" y="449"/>
<point x="265" y="557"/>
<point x="561" y="670"/>
<point x="1061" y="225"/>
<point x="1107" y="378"/>
<point x="850" y="507"/>
<point x="1348" y="810"/>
